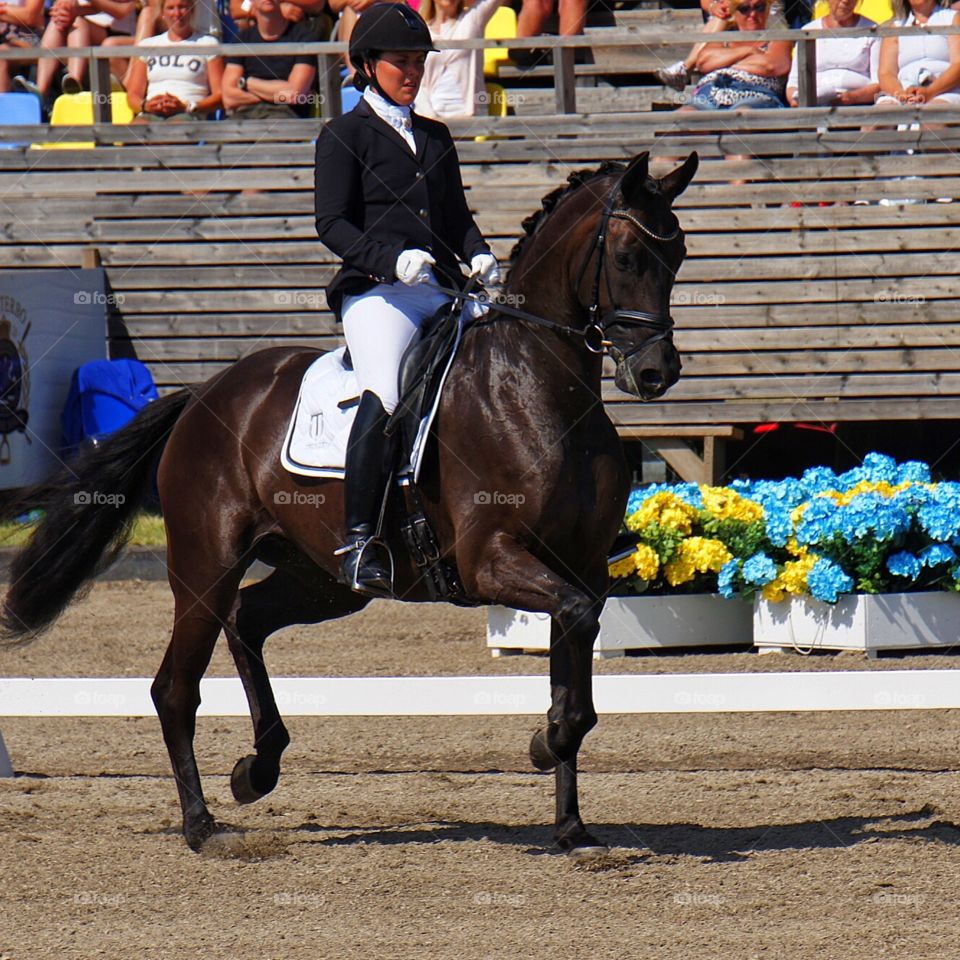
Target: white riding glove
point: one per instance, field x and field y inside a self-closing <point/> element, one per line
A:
<point x="485" y="266"/>
<point x="413" y="267"/>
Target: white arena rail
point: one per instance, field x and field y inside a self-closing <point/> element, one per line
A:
<point x="496" y="696"/>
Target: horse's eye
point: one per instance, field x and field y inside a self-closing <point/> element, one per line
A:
<point x="623" y="261"/>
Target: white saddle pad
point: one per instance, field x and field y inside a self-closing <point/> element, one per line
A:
<point x="316" y="441"/>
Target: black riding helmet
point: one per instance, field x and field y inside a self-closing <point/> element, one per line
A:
<point x="386" y="26"/>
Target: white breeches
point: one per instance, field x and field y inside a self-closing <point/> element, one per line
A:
<point x="379" y="325"/>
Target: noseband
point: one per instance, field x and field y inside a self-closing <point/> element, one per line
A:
<point x="594" y="334"/>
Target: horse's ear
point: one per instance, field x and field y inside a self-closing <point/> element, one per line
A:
<point x="675" y="182"/>
<point x="634" y="178"/>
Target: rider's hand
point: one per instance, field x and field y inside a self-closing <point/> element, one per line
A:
<point x="485" y="266"/>
<point x="413" y="267"/>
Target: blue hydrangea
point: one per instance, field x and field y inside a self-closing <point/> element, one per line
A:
<point x="937" y="554"/>
<point x="827" y="581"/>
<point x="759" y="569"/>
<point x="904" y="564"/>
<point x="914" y="471"/>
<point x="726" y="578"/>
<point x="940" y="522"/>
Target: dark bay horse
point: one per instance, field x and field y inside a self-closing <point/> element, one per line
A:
<point x="521" y="414"/>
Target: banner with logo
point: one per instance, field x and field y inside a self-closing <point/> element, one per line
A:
<point x="51" y="321"/>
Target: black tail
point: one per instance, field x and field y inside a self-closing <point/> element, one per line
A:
<point x="90" y="505"/>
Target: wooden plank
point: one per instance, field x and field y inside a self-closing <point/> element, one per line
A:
<point x="839" y="314"/>
<point x="209" y="349"/>
<point x="728" y="294"/>
<point x="789" y="388"/>
<point x="200" y="301"/>
<point x="760" y="411"/>
<point x="253" y="325"/>
<point x="814" y="362"/>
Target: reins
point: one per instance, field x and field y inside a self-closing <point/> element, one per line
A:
<point x="594" y="333"/>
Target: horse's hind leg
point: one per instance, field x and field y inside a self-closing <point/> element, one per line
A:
<point x="261" y="609"/>
<point x="198" y="619"/>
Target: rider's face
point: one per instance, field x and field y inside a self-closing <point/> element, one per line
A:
<point x="399" y="72"/>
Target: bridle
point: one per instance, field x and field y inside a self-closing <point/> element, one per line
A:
<point x="594" y="333"/>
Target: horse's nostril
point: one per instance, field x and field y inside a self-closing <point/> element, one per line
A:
<point x="651" y="378"/>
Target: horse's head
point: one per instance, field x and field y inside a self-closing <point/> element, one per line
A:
<point x="638" y="250"/>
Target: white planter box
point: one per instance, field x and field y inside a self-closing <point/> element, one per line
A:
<point x="888" y="621"/>
<point x="632" y="623"/>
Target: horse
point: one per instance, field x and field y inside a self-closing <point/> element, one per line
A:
<point x="521" y="413"/>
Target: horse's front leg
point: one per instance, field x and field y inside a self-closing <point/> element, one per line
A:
<point x="509" y="574"/>
<point x="570" y="718"/>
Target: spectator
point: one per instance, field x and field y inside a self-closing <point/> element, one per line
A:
<point x="453" y="78"/>
<point x="81" y="23"/>
<point x="293" y="10"/>
<point x="748" y="74"/>
<point x="917" y="71"/>
<point x="717" y="17"/>
<point x="846" y="67"/>
<point x="150" y="23"/>
<point x="348" y="11"/>
<point x="270" y="86"/>
<point x="21" y="25"/>
<point x="535" y="13"/>
<point x="172" y="87"/>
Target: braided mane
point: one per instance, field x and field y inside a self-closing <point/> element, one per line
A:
<point x="576" y="179"/>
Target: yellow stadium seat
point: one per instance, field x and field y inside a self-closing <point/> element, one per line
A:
<point x="879" y="11"/>
<point x="501" y="26"/>
<point x="76" y="110"/>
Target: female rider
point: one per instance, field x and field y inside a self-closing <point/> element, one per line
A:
<point x="390" y="203"/>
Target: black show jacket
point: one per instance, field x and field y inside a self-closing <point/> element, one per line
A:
<point x="374" y="199"/>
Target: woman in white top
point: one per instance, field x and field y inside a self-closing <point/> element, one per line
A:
<point x="166" y="86"/>
<point x="453" y="79"/>
<point x="846" y="67"/>
<point x="917" y="71"/>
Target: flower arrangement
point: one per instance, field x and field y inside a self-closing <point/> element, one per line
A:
<point x="882" y="527"/>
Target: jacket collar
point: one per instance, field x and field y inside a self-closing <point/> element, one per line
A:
<point x="363" y="109"/>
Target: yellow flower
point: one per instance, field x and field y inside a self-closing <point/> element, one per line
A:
<point x="622" y="568"/>
<point x="646" y="560"/>
<point x="696" y="555"/>
<point x="643" y="561"/>
<point x="882" y="487"/>
<point x="664" y="508"/>
<point x="797" y="549"/>
<point x="792" y="579"/>
<point x="727" y="504"/>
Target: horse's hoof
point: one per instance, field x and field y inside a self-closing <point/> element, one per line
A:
<point x="588" y="854"/>
<point x="245" y="785"/>
<point x="541" y="756"/>
<point x="198" y="831"/>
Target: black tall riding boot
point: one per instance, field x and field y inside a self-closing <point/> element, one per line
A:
<point x="368" y="465"/>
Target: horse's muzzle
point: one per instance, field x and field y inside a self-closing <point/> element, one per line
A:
<point x="649" y="377"/>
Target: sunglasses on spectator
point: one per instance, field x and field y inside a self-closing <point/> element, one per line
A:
<point x="748" y="8"/>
